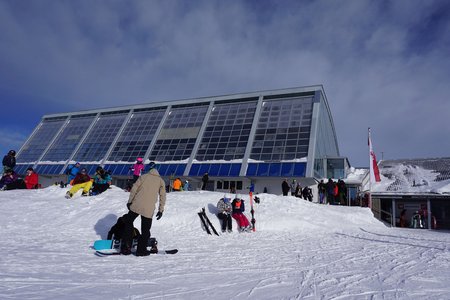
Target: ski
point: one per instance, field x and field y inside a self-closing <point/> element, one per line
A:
<point x="252" y="211"/>
<point x="209" y="222"/>
<point x="205" y="225"/>
<point x="103" y="253"/>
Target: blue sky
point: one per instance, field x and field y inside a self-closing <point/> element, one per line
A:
<point x="383" y="64"/>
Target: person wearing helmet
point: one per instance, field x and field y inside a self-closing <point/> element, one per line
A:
<point x="238" y="214"/>
<point x="81" y="181"/>
<point x="9" y="161"/>
<point x="102" y="181"/>
<point x="137" y="169"/>
<point x="224" y="213"/>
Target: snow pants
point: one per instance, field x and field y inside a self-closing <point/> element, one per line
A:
<point x="86" y="186"/>
<point x="225" y="221"/>
<point x="241" y="220"/>
<point x="146" y="224"/>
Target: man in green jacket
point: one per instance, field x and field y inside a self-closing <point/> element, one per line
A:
<point x="143" y="198"/>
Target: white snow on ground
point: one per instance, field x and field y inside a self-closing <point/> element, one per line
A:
<point x="300" y="250"/>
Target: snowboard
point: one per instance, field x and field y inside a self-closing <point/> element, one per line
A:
<point x="109" y="252"/>
<point x="115" y="244"/>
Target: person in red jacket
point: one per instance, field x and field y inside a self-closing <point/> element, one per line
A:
<point x="31" y="179"/>
<point x="81" y="181"/>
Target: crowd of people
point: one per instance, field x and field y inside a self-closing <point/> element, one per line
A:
<point x="10" y="180"/>
<point x="295" y="189"/>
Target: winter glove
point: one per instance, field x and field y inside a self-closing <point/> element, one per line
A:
<point x="159" y="215"/>
<point x="128" y="205"/>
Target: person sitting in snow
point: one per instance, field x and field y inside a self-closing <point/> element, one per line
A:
<point x="102" y="181"/>
<point x="116" y="232"/>
<point x="10" y="181"/>
<point x="238" y="208"/>
<point x="31" y="179"/>
<point x="81" y="181"/>
<point x="224" y="213"/>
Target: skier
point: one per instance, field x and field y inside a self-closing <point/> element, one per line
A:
<point x="224" y="213"/>
<point x="137" y="169"/>
<point x="9" y="161"/>
<point x="31" y="179"/>
<point x="238" y="208"/>
<point x="143" y="197"/>
<point x="285" y="187"/>
<point x="81" y="181"/>
<point x="72" y="172"/>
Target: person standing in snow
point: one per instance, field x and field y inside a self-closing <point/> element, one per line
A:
<point x="224" y="213"/>
<point x="322" y="191"/>
<point x="137" y="169"/>
<point x="293" y="186"/>
<point x="142" y="201"/>
<point x="9" y="161"/>
<point x="238" y="208"/>
<point x="331" y="191"/>
<point x="285" y="187"/>
<point x="205" y="180"/>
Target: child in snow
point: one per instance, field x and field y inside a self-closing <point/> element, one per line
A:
<point x="81" y="181"/>
<point x="238" y="208"/>
<point x="224" y="213"/>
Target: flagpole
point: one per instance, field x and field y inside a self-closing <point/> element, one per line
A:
<point x="370" y="170"/>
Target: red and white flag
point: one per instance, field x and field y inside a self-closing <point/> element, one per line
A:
<point x="374" y="171"/>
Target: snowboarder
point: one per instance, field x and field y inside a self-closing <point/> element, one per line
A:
<point x="116" y="232"/>
<point x="81" y="181"/>
<point x="9" y="161"/>
<point x="238" y="207"/>
<point x="143" y="197"/>
<point x="224" y="213"/>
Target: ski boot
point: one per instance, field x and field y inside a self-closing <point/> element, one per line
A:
<point x="68" y="195"/>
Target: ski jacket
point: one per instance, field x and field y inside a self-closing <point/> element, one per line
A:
<point x="177" y="185"/>
<point x="238" y="206"/>
<point x="9" y="161"/>
<point x="223" y="207"/>
<point x="81" y="178"/>
<point x="102" y="178"/>
<point x="137" y="169"/>
<point x="8" y="179"/>
<point x="144" y="194"/>
<point x="31" y="181"/>
<point x="285" y="187"/>
<point x="72" y="172"/>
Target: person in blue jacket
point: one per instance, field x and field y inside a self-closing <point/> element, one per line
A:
<point x="72" y="171"/>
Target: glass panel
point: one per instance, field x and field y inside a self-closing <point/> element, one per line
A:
<point x="194" y="170"/>
<point x="179" y="134"/>
<point x="235" y="169"/>
<point x="39" y="142"/>
<point x="214" y="170"/>
<point x="281" y="127"/>
<point x="226" y="125"/>
<point x="224" y="169"/>
<point x="136" y="136"/>
<point x="100" y="138"/>
<point x="263" y="170"/>
<point x="299" y="169"/>
<point x="68" y="140"/>
<point x="251" y="169"/>
<point x="275" y="169"/>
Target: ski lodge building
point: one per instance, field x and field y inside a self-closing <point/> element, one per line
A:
<point x="258" y="137"/>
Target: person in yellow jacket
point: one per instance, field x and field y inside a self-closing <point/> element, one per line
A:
<point x="177" y="185"/>
<point x="142" y="201"/>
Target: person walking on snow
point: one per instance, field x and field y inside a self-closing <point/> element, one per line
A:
<point x="224" y="213"/>
<point x="142" y="201"/>
<point x="238" y="208"/>
<point x="81" y="181"/>
<point x="137" y="169"/>
<point x="205" y="180"/>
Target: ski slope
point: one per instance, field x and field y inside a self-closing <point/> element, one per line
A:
<point x="301" y="250"/>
